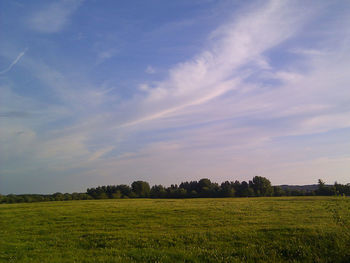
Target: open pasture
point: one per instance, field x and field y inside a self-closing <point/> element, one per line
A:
<point x="286" y="229"/>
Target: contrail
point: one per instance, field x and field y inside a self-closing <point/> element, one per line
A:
<point x="20" y="55"/>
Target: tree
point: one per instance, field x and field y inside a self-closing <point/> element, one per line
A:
<point x="244" y="189"/>
<point x="325" y="190"/>
<point x="124" y="189"/>
<point x="262" y="186"/>
<point x="141" y="188"/>
<point x="204" y="183"/>
<point x="227" y="189"/>
<point x="278" y="191"/>
<point x="193" y="194"/>
<point x="321" y="184"/>
<point x="206" y="188"/>
<point x="75" y="196"/>
<point x="58" y="196"/>
<point x="158" y="191"/>
<point x="67" y="197"/>
<point x="180" y="193"/>
<point x="117" y="195"/>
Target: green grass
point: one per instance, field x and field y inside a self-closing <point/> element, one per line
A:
<point x="286" y="229"/>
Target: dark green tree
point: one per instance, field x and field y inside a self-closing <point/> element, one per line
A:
<point x="323" y="189"/>
<point x="245" y="190"/>
<point x="262" y="186"/>
<point x="158" y="191"/>
<point x="227" y="189"/>
<point x="58" y="196"/>
<point x="124" y="189"/>
<point x="141" y="188"/>
<point x="278" y="191"/>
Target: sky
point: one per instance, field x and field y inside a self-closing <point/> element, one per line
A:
<point x="109" y="92"/>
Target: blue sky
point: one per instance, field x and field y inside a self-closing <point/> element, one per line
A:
<point x="108" y="92"/>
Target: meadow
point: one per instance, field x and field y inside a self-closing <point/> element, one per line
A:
<point x="273" y="229"/>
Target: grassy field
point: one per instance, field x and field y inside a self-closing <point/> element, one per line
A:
<point x="286" y="229"/>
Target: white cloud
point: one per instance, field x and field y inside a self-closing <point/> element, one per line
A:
<point x="105" y="55"/>
<point x="99" y="153"/>
<point x="217" y="114"/>
<point x="20" y="55"/>
<point x="54" y="16"/>
<point x="309" y="52"/>
<point x="218" y="70"/>
<point x="212" y="86"/>
<point x="150" y="70"/>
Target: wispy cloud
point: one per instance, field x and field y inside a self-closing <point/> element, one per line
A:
<point x="193" y="92"/>
<point x="99" y="153"/>
<point x="228" y="111"/>
<point x="105" y="55"/>
<point x="54" y="16"/>
<point x="20" y="55"/>
<point x="150" y="70"/>
<point x="220" y="68"/>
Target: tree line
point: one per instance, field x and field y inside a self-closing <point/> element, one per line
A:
<point x="257" y="187"/>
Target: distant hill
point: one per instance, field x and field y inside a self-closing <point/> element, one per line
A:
<point x="307" y="188"/>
